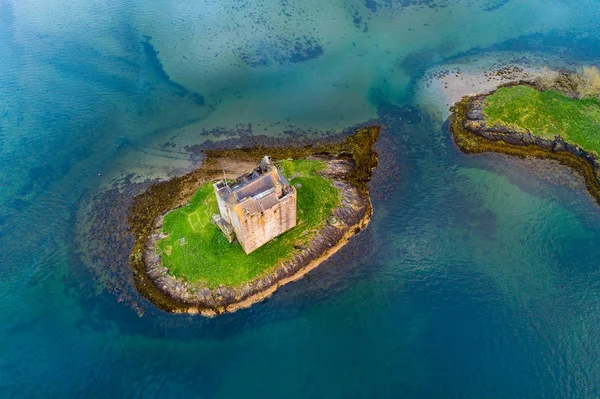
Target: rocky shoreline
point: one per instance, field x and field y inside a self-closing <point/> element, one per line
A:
<point x="473" y="135"/>
<point x="349" y="164"/>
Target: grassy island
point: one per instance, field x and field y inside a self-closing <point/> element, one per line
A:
<point x="557" y="118"/>
<point x="196" y="250"/>
<point x="184" y="264"/>
<point x="546" y="114"/>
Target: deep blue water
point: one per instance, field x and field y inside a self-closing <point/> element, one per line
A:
<point x="477" y="277"/>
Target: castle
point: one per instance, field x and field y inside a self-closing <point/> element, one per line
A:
<point x="256" y="207"/>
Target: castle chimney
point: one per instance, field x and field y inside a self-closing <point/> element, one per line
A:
<point x="266" y="164"/>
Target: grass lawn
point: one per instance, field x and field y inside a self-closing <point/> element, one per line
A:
<point x="197" y="251"/>
<point x="546" y="114"/>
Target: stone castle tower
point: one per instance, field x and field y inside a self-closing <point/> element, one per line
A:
<point x="256" y="207"/>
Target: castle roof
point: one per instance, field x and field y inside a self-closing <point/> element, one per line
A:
<point x="257" y="191"/>
<point x="256" y="186"/>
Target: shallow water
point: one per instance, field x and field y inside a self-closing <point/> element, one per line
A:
<point x="477" y="276"/>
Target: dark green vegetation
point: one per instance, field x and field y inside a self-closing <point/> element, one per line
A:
<point x="197" y="251"/>
<point x="165" y="196"/>
<point x="546" y="114"/>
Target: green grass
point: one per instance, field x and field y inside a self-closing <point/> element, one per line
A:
<point x="206" y="258"/>
<point x="546" y="114"/>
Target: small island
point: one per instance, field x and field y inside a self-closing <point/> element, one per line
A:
<point x="556" y="116"/>
<point x="248" y="221"/>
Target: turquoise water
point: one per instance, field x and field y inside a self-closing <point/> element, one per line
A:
<point x="477" y="277"/>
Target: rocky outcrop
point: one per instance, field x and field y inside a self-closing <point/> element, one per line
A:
<point x="473" y="134"/>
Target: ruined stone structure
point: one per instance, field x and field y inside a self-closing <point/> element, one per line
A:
<point x="257" y="206"/>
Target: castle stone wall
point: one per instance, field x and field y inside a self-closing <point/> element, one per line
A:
<point x="255" y="230"/>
